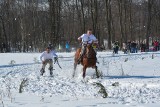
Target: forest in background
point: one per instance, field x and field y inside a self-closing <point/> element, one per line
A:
<point x="30" y="25"/>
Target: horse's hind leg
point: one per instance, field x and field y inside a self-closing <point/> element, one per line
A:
<point x="97" y="74"/>
<point x="84" y="71"/>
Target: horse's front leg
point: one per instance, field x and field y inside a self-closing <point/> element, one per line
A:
<point x="75" y="66"/>
<point x="84" y="71"/>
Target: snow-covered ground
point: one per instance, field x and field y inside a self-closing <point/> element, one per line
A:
<point x="137" y="78"/>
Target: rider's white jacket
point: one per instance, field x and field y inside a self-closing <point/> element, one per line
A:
<point x="46" y="55"/>
<point x="87" y="39"/>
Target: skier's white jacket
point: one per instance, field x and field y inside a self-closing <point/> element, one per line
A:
<point x="46" y="55"/>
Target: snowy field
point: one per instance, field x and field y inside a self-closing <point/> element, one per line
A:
<point x="137" y="78"/>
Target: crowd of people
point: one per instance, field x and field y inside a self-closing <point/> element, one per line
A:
<point x="133" y="47"/>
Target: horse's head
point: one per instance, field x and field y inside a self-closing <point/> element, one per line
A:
<point x="90" y="51"/>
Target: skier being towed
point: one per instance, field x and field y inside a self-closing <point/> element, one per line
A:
<point x="47" y="58"/>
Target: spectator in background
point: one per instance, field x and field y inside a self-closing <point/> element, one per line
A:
<point x="156" y="45"/>
<point x="129" y="46"/>
<point x="143" y="47"/>
<point x="67" y="47"/>
<point x="124" y="48"/>
<point x="133" y="47"/>
<point x="115" y="47"/>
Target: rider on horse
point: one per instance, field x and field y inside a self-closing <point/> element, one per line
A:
<point x="86" y="39"/>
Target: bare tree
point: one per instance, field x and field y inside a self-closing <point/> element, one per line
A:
<point x="109" y="21"/>
<point x="149" y="18"/>
<point x="30" y="25"/>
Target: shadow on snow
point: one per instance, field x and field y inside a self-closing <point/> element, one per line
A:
<point x="136" y="77"/>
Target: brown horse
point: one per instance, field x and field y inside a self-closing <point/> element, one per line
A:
<point x="88" y="60"/>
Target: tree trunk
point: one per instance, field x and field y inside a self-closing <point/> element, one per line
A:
<point x="130" y="19"/>
<point x="83" y="17"/>
<point x="120" y="21"/>
<point x="148" y="32"/>
<point x="109" y="22"/>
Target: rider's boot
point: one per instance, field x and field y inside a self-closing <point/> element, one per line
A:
<point x="81" y="55"/>
<point x="79" y="59"/>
